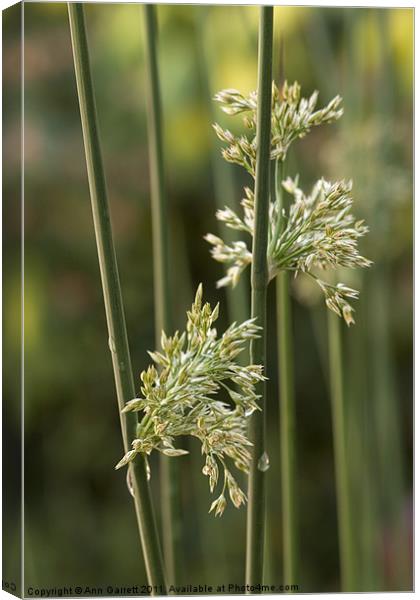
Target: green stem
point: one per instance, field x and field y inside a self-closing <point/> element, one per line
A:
<point x="386" y="401"/>
<point x="387" y="429"/>
<point x="114" y="309"/>
<point x="223" y="180"/>
<point x="259" y="282"/>
<point x="157" y="179"/>
<point x="279" y="176"/>
<point x="342" y="474"/>
<point x="169" y="476"/>
<point x="287" y="405"/>
<point x="362" y="466"/>
<point x="287" y="427"/>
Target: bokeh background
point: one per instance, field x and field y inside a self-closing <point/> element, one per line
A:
<point x="80" y="526"/>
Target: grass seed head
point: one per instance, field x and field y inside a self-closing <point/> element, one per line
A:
<point x="318" y="231"/>
<point x="181" y="396"/>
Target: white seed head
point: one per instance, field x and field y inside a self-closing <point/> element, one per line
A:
<point x="318" y="231"/>
<point x="180" y="396"/>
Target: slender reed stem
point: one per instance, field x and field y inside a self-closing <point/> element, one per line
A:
<point x="362" y="467"/>
<point x="342" y="475"/>
<point x="259" y="282"/>
<point x="171" y="526"/>
<point x="157" y="177"/>
<point x="362" y="487"/>
<point x="287" y="427"/>
<point x="287" y="404"/>
<point x="238" y="301"/>
<point x="387" y="431"/>
<point x="118" y="341"/>
<point x="223" y="179"/>
<point x="386" y="400"/>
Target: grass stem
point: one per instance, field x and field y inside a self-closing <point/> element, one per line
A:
<point x="118" y="341"/>
<point x="259" y="282"/>
<point x="287" y="426"/>
<point x="223" y="180"/>
<point x="286" y="402"/>
<point x="222" y="176"/>
<point x="342" y="474"/>
<point x="169" y="476"/>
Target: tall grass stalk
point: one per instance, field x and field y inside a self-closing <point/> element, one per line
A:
<point x="238" y="305"/>
<point x="223" y="179"/>
<point x="259" y="283"/>
<point x="384" y="491"/>
<point x="387" y="404"/>
<point x="363" y="472"/>
<point x="361" y="410"/>
<point x="169" y="468"/>
<point x="287" y="408"/>
<point x="287" y="426"/>
<point x="356" y="420"/>
<point x="118" y="341"/>
<point x="341" y="456"/>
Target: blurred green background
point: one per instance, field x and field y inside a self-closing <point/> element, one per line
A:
<point x="80" y="526"/>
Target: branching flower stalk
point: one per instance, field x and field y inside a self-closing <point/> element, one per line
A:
<point x="316" y="233"/>
<point x="118" y="341"/>
<point x="169" y="477"/>
<point x="181" y="397"/>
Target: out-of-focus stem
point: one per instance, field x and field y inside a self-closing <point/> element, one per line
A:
<point x="287" y="427"/>
<point x="358" y="426"/>
<point x="169" y="476"/>
<point x="341" y="458"/>
<point x="238" y="306"/>
<point x="118" y="340"/>
<point x="286" y="402"/>
<point x="223" y="180"/>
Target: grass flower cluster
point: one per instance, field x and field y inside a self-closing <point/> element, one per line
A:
<point x="292" y="117"/>
<point x="318" y="231"/>
<point x="180" y="397"/>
